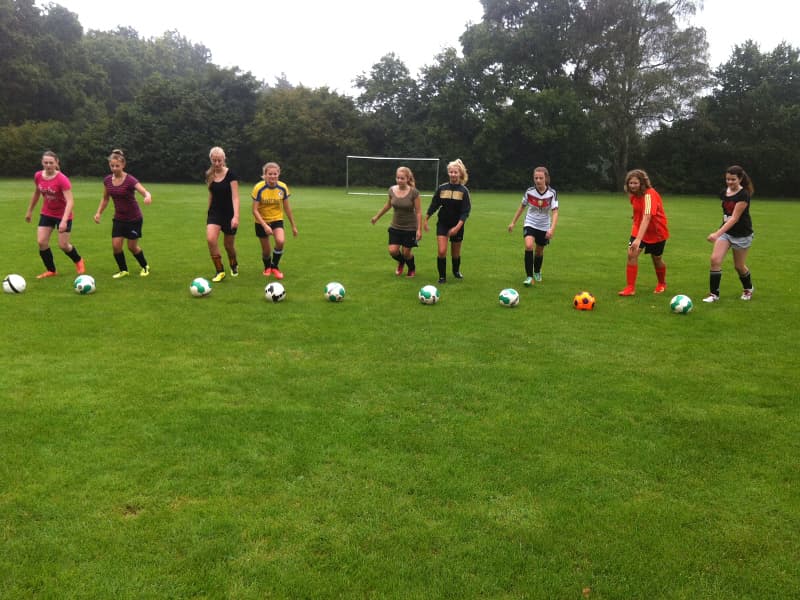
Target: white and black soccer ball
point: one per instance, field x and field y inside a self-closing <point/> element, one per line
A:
<point x="14" y="284"/>
<point x="200" y="287"/>
<point x="428" y="294"/>
<point x="84" y="284"/>
<point x="508" y="297"/>
<point x="334" y="291"/>
<point x="275" y="292"/>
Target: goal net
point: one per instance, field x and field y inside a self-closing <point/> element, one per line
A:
<point x="372" y="175"/>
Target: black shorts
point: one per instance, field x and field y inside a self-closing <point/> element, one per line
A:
<point x="273" y="225"/>
<point x="443" y="229"/>
<point x="223" y="221"/>
<point x="539" y="236"/>
<point x="400" y="237"/>
<point x="54" y="222"/>
<point x="654" y="248"/>
<point x="131" y="230"/>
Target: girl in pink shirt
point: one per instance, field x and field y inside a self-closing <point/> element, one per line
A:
<point x="56" y="192"/>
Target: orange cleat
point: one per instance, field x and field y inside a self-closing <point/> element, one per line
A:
<point x="628" y="291"/>
<point x="46" y="274"/>
<point x="660" y="288"/>
<point x="276" y="273"/>
<point x="80" y="267"/>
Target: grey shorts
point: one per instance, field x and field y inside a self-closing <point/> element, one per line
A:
<point x="740" y="243"/>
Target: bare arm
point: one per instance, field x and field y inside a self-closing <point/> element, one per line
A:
<point x="514" y="220"/>
<point x="287" y="208"/>
<point x="101" y="207"/>
<point x="729" y="222"/>
<point x="418" y="213"/>
<point x="259" y="219"/>
<point x="554" y="220"/>
<point x="141" y="189"/>
<point x="384" y="209"/>
<point x="235" y="201"/>
<point x="68" y="206"/>
<point x="32" y="205"/>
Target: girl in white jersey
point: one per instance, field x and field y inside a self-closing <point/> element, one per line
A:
<point x="540" y="222"/>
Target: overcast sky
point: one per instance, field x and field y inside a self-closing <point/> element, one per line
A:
<point x="320" y="43"/>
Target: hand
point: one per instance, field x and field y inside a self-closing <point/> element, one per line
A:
<point x="419" y="234"/>
<point x="712" y="237"/>
<point x="27" y="217"/>
<point x="148" y="198"/>
<point x="549" y="234"/>
<point x="267" y="229"/>
<point x="510" y="227"/>
<point x="235" y="223"/>
<point x="97" y="218"/>
<point x="62" y="226"/>
<point x="373" y="220"/>
<point x="294" y="231"/>
<point x="425" y="226"/>
<point x="452" y="232"/>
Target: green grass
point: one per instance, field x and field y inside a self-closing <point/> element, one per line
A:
<point x="157" y="445"/>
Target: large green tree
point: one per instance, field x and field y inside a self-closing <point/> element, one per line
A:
<point x="44" y="70"/>
<point x="639" y="66"/>
<point x="751" y="118"/>
<point x="308" y="131"/>
<point x="389" y="103"/>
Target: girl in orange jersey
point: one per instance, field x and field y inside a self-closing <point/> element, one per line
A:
<point x="649" y="232"/>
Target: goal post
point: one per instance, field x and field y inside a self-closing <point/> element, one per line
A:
<point x="373" y="175"/>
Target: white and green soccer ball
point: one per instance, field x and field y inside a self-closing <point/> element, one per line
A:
<point x="84" y="284"/>
<point x="200" y="287"/>
<point x="681" y="304"/>
<point x="428" y="294"/>
<point x="334" y="291"/>
<point x="274" y="292"/>
<point x="14" y="284"/>
<point x="508" y="297"/>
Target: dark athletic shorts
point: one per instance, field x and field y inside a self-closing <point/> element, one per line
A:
<point x="131" y="230"/>
<point x="54" y="222"/>
<point x="539" y="236"/>
<point x="400" y="237"/>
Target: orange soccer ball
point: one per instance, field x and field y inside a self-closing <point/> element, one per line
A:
<point x="583" y="301"/>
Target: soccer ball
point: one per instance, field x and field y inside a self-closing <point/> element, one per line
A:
<point x="14" y="284"/>
<point x="509" y="297"/>
<point x="681" y="304"/>
<point x="428" y="294"/>
<point x="84" y="284"/>
<point x="334" y="291"/>
<point x="200" y="287"/>
<point x="275" y="292"/>
<point x="583" y="301"/>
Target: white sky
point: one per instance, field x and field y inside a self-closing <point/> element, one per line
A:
<point x="318" y="43"/>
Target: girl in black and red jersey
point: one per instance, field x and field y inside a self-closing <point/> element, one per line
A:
<point x="649" y="231"/>
<point x="735" y="232"/>
<point x="453" y="203"/>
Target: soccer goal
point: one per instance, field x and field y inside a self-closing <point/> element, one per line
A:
<point x="372" y="175"/>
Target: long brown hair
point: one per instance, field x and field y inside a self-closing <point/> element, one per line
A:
<point x="746" y="182"/>
<point x="641" y="175"/>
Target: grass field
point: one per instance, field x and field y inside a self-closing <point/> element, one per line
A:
<point x="157" y="445"/>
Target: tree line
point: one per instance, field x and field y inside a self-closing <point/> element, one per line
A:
<point x="589" y="88"/>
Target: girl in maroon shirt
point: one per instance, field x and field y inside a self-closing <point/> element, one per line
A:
<point x="121" y="187"/>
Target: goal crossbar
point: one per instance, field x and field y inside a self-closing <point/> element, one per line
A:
<point x="381" y="183"/>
